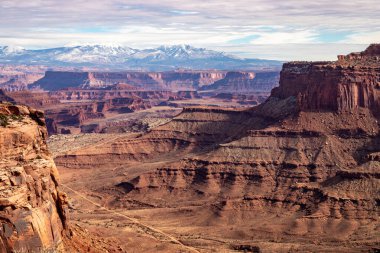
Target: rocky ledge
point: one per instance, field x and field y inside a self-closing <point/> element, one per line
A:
<point x="344" y="85"/>
<point x="32" y="207"/>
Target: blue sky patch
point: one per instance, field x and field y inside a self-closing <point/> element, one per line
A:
<point x="333" y="36"/>
<point x="245" y="40"/>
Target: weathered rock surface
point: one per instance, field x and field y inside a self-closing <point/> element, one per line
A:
<point x="75" y="107"/>
<point x="35" y="99"/>
<point x="244" y="99"/>
<point x="32" y="207"/>
<point x="245" y="82"/>
<point x="307" y="158"/>
<point x="172" y="80"/>
<point x="345" y="85"/>
<point x="101" y="94"/>
<point x="14" y="78"/>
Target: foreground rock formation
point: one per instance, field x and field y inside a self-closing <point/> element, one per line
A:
<point x="306" y="160"/>
<point x="32" y="207"/>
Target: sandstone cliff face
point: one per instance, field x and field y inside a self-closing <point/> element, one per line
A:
<point x="81" y="94"/>
<point x="32" y="207"/>
<point x="245" y="82"/>
<point x="246" y="99"/>
<point x="35" y="99"/>
<point x="309" y="155"/>
<point x="19" y="82"/>
<point x="195" y="129"/>
<point x="72" y="108"/>
<point x="55" y="80"/>
<point x="345" y="85"/>
<point x="15" y="78"/>
<point x="172" y="80"/>
<point x="76" y="115"/>
<point x="4" y="97"/>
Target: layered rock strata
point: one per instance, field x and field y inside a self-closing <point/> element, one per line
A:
<point x="236" y="81"/>
<point x="15" y="78"/>
<point x="307" y="157"/>
<point x="239" y="81"/>
<point x="32" y="207"/>
<point x="173" y="80"/>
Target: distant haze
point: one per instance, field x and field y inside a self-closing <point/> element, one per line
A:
<point x="125" y="58"/>
<point x="267" y="29"/>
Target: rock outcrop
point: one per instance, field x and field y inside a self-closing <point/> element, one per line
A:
<point x="306" y="159"/>
<point x="172" y="80"/>
<point x="244" y="99"/>
<point x="15" y="78"/>
<point x="76" y="114"/>
<point x="35" y="99"/>
<point x="74" y="107"/>
<point x="245" y="82"/>
<point x="350" y="83"/>
<point x="32" y="207"/>
<point x="101" y="94"/>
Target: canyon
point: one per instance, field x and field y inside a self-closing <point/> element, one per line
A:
<point x="14" y="78"/>
<point x="92" y="101"/>
<point x="175" y="80"/>
<point x="34" y="210"/>
<point x="299" y="172"/>
<point x="232" y="81"/>
<point x="245" y="82"/>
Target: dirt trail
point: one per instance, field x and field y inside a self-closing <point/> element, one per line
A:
<point x="158" y="234"/>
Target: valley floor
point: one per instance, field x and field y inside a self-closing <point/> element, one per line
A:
<point x="128" y="224"/>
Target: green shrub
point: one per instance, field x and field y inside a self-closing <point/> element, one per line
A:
<point x="17" y="117"/>
<point x="4" y="121"/>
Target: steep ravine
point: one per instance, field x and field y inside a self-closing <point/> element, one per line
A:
<point x="301" y="169"/>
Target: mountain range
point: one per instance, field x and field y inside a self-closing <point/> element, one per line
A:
<point x="119" y="57"/>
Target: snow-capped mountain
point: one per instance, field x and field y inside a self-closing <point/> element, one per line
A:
<point x="118" y="57"/>
<point x="180" y="52"/>
<point x="95" y="54"/>
<point x="11" y="50"/>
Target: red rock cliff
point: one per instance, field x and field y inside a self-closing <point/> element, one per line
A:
<point x="309" y="155"/>
<point x="344" y="85"/>
<point x="32" y="208"/>
<point x="55" y="80"/>
<point x="238" y="81"/>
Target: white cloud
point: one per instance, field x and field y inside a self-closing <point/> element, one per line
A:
<point x="369" y="37"/>
<point x="294" y="52"/>
<point x="285" y="37"/>
<point x="212" y="23"/>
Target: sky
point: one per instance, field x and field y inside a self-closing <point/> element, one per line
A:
<point x="268" y="29"/>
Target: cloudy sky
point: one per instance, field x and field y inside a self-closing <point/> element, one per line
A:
<point x="272" y="29"/>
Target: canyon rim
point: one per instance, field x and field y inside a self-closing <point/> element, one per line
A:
<point x="201" y="126"/>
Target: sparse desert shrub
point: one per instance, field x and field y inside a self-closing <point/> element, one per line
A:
<point x="4" y="121"/>
<point x="17" y="117"/>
